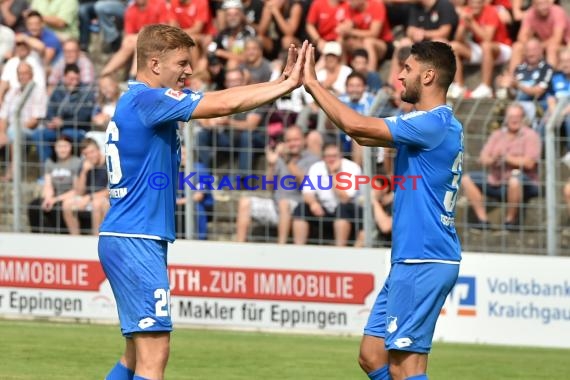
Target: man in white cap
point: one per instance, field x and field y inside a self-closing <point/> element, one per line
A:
<point x="228" y="46"/>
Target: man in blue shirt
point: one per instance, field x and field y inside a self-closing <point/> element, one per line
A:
<point x="143" y="158"/>
<point x="425" y="250"/>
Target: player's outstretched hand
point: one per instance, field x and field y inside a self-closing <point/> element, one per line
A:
<point x="292" y="55"/>
<point x="309" y="73"/>
<point x="296" y="74"/>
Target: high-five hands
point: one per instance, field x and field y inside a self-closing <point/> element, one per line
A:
<point x="300" y="67"/>
<point x="294" y="67"/>
<point x="309" y="73"/>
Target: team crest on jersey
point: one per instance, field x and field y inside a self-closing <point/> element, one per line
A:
<point x="392" y="324"/>
<point x="177" y="95"/>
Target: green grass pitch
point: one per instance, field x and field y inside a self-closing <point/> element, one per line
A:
<point x="31" y="350"/>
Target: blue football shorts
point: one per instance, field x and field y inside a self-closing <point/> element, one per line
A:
<point x="406" y="309"/>
<point x="136" y="270"/>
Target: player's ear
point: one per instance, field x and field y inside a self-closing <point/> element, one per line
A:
<point x="154" y="65"/>
<point x="428" y="76"/>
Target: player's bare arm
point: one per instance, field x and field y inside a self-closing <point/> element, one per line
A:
<point x="369" y="131"/>
<point x="245" y="98"/>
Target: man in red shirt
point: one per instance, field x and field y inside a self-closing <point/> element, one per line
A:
<point x="322" y="21"/>
<point x="481" y="38"/>
<point x="138" y="14"/>
<point x="367" y="27"/>
<point x="194" y="17"/>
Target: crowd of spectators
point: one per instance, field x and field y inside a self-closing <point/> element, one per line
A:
<point x="521" y="48"/>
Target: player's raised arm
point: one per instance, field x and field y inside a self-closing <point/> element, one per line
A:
<point x="370" y="131"/>
<point x="245" y="98"/>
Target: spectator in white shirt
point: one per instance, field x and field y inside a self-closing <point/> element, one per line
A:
<point x="327" y="203"/>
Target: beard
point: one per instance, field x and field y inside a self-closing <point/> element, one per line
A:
<point x="411" y="93"/>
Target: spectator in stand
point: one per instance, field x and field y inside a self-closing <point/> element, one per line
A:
<point x="398" y="11"/>
<point x="107" y="96"/>
<point x="256" y="67"/>
<point x="59" y="16"/>
<point x="241" y="131"/>
<point x="111" y="16"/>
<point x="359" y="63"/>
<point x="519" y="8"/>
<point x="41" y="39"/>
<point x="429" y="20"/>
<point x="546" y="22"/>
<point x="531" y="80"/>
<point x="44" y="213"/>
<point x="326" y="205"/>
<point x="70" y="107"/>
<point x="358" y="99"/>
<point x="481" y="39"/>
<point x="7" y="43"/>
<point x="560" y="89"/>
<point x="87" y="17"/>
<point x="12" y="14"/>
<point x="229" y="45"/>
<point x="138" y="14"/>
<point x="194" y="17"/>
<point x="504" y="10"/>
<point x="510" y="158"/>
<point x="432" y="20"/>
<point x="366" y="27"/>
<point x="287" y="160"/>
<point x="90" y="190"/>
<point x="252" y="10"/>
<point x="202" y="199"/>
<point x="322" y="21"/>
<point x="287" y="19"/>
<point x="33" y="110"/>
<point x="72" y="54"/>
<point x="9" y="78"/>
<point x="108" y="14"/>
<point x="382" y="200"/>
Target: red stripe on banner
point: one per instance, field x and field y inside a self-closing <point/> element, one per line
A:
<point x="270" y="284"/>
<point x="28" y="272"/>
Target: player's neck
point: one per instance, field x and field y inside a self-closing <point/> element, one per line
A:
<point x="146" y="79"/>
<point x="430" y="102"/>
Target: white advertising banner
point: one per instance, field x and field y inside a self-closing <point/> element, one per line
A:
<point x="260" y="286"/>
<point x="509" y="299"/>
<point x="498" y="299"/>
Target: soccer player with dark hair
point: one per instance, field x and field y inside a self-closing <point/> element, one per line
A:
<point x="426" y="251"/>
<point x="142" y="141"/>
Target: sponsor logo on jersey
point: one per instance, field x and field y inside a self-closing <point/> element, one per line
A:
<point x="177" y="95"/>
<point x="147" y="322"/>
<point x="403" y="342"/>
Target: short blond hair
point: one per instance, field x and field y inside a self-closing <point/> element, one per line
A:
<point x="158" y="39"/>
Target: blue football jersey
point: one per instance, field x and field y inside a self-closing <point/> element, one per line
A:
<point x="143" y="158"/>
<point x="560" y="85"/>
<point x="430" y="147"/>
